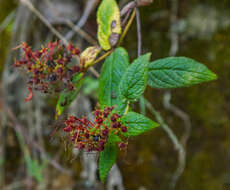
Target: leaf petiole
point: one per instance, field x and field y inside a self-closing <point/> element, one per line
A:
<point x="127" y="27"/>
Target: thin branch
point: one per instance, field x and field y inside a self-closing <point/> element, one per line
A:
<point x="76" y="28"/>
<point x="130" y="6"/>
<point x="81" y="32"/>
<point x="44" y="20"/>
<point x="167" y="129"/>
<point x="139" y="37"/>
<point x="127" y="26"/>
<point x="101" y="58"/>
<point x="94" y="72"/>
<point x="187" y="124"/>
<point x="177" y="145"/>
<point x="19" y="128"/>
<point x="174" y="38"/>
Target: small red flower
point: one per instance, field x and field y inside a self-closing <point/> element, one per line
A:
<point x="93" y="136"/>
<point x="47" y="68"/>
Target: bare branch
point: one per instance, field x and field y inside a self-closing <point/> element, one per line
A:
<point x="75" y="28"/>
<point x="139" y="37"/>
<point x="174" y="38"/>
<point x="44" y="20"/>
<point x="88" y="9"/>
<point x="177" y="145"/>
<point x="20" y="129"/>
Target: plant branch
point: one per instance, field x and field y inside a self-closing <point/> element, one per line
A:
<point x="77" y="27"/>
<point x="44" y="20"/>
<point x="127" y="27"/>
<point x="19" y="128"/>
<point x="126" y="109"/>
<point x="187" y="124"/>
<point x="177" y="145"/>
<point x="174" y="38"/>
<point x="139" y="37"/>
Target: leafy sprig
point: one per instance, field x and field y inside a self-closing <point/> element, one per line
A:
<point x="121" y="83"/>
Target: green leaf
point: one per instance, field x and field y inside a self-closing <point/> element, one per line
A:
<point x="91" y="86"/>
<point x="175" y="72"/>
<point x="114" y="139"/>
<point x="106" y="160"/>
<point x="112" y="71"/>
<point x="67" y="97"/>
<point x="134" y="81"/>
<point x="108" y="19"/>
<point x="137" y="124"/>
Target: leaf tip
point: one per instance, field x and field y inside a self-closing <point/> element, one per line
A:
<point x="102" y="178"/>
<point x="214" y="76"/>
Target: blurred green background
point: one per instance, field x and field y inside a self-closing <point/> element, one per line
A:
<point x="203" y="30"/>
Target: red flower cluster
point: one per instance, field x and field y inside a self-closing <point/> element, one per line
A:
<point x="50" y="69"/>
<point x="89" y="136"/>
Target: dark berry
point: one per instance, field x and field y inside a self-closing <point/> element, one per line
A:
<point x="124" y="129"/>
<point x="105" y="132"/>
<point x="122" y="145"/>
<point x="114" y="117"/>
<point x="69" y="73"/>
<point x="76" y="69"/>
<point x="97" y="113"/>
<point x="99" y="120"/>
<point x="51" y="64"/>
<point x="96" y="138"/>
<point x="106" y="114"/>
<point x="52" y="77"/>
<point x="59" y="70"/>
<point x="115" y="125"/>
<point x="87" y="135"/>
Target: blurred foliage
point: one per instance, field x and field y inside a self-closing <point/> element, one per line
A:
<point x="6" y="8"/>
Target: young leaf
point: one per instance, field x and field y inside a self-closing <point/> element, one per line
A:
<point x="137" y="124"/>
<point x="134" y="81"/>
<point x="66" y="97"/>
<point x="112" y="71"/>
<point x="106" y="160"/>
<point x="175" y="72"/>
<point x="89" y="55"/>
<point x="109" y="27"/>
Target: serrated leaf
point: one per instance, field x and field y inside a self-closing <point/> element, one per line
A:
<point x="106" y="160"/>
<point x="109" y="27"/>
<point x="66" y="97"/>
<point x="112" y="71"/>
<point x="137" y="124"/>
<point x="175" y="72"/>
<point x="134" y="81"/>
